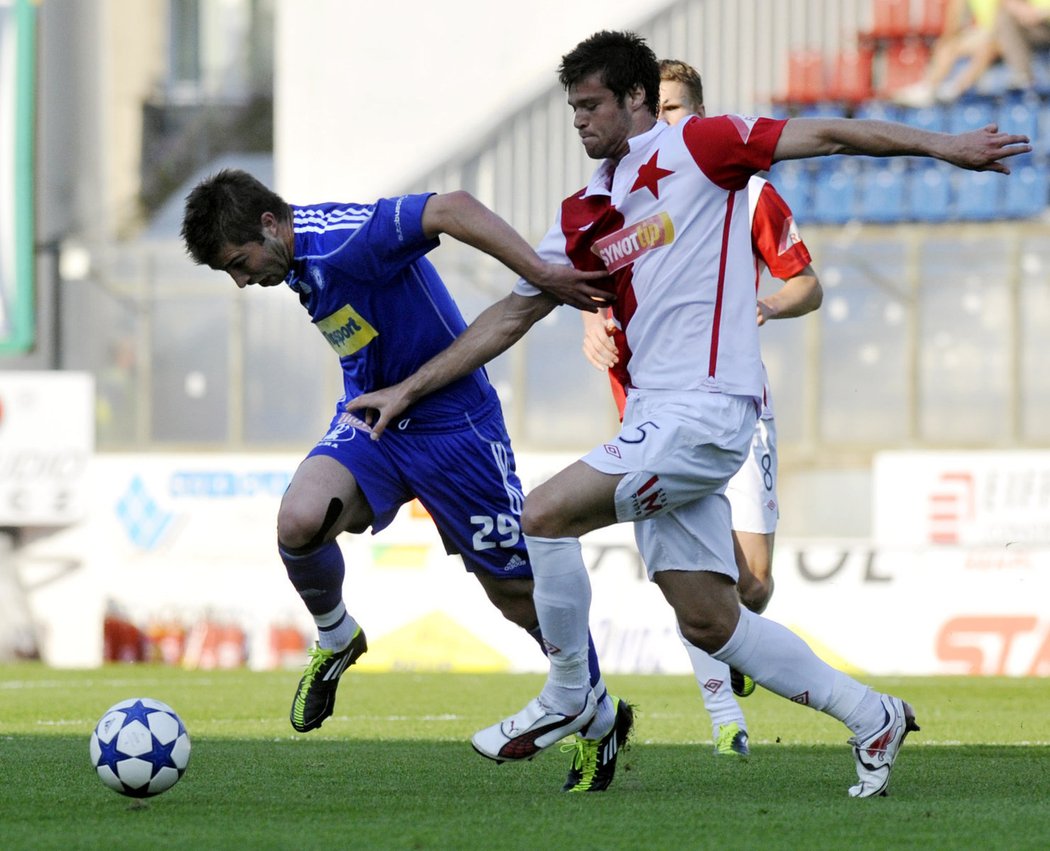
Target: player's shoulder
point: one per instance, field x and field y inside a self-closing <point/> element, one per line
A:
<point x="330" y="215"/>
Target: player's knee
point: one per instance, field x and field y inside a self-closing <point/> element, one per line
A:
<point x="539" y="519"/>
<point x="295" y="530"/>
<point x="707" y="630"/>
<point x="299" y="528"/>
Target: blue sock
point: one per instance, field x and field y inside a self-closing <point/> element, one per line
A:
<point x="318" y="577"/>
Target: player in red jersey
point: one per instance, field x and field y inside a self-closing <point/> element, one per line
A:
<point x="752" y="491"/>
<point x="664" y="214"/>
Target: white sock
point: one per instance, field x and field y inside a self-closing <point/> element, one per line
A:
<point x="777" y="659"/>
<point x="562" y="595"/>
<point x="335" y="629"/>
<point x="713" y="678"/>
<point x="604" y="718"/>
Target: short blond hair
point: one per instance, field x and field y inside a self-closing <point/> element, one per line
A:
<point x="677" y="71"/>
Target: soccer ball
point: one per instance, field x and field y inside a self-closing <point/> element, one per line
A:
<point x="140" y="747"/>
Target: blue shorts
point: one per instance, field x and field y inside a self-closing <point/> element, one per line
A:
<point x="462" y="473"/>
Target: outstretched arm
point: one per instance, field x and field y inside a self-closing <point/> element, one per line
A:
<point x="800" y="295"/>
<point x="497" y="328"/>
<point x="463" y="217"/>
<point x="977" y="150"/>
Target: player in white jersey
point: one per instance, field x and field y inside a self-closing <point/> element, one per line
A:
<point x="665" y="215"/>
<point x="752" y="491"/>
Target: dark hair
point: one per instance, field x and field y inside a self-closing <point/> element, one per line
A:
<point x="227" y="209"/>
<point x="677" y="71"/>
<point x="623" y="60"/>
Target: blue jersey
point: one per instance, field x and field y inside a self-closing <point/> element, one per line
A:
<point x="361" y="273"/>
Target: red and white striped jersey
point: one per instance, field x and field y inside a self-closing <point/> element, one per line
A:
<point x="775" y="241"/>
<point x="671" y="225"/>
<point x="775" y="244"/>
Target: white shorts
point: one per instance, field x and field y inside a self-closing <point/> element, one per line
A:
<point x="752" y="492"/>
<point x="676" y="451"/>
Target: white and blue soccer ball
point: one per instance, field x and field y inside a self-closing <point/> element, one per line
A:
<point x="140" y="747"/>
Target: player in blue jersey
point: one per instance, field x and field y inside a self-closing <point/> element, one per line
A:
<point x="360" y="272"/>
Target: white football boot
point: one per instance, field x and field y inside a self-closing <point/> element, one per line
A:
<point x="875" y="755"/>
<point x="530" y="731"/>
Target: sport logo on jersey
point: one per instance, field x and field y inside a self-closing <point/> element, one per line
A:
<point x="649" y="499"/>
<point x="628" y="244"/>
<point x="744" y="124"/>
<point x="346" y="331"/>
<point x="789" y="236"/>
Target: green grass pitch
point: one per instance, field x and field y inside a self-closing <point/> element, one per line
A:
<point x="393" y="768"/>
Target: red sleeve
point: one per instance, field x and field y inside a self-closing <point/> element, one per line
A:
<point x="775" y="238"/>
<point x="731" y="148"/>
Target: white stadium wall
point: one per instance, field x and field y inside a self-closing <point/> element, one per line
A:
<point x="370" y="95"/>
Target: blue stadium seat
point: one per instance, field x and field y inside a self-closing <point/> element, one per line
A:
<point x="972" y="115"/>
<point x="929" y="196"/>
<point x="883" y="185"/>
<point x="933" y="118"/>
<point x="1026" y="191"/>
<point x="776" y="110"/>
<point x="822" y="110"/>
<point x="1020" y="115"/>
<point x="880" y="110"/>
<point x="1041" y="141"/>
<point x="835" y="191"/>
<point x="1041" y="72"/>
<point x="978" y="194"/>
<point x="793" y="180"/>
<point x="995" y="82"/>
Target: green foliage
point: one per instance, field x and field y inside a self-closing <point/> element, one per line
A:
<point x="393" y="768"/>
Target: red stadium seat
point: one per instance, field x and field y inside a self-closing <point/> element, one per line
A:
<point x="851" y="80"/>
<point x="892" y="19"/>
<point x="931" y="24"/>
<point x="805" y="76"/>
<point x="905" y="64"/>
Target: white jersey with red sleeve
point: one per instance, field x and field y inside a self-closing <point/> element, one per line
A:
<point x="776" y="244"/>
<point x="671" y="223"/>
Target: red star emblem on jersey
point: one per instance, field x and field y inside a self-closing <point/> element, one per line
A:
<point x="650" y="175"/>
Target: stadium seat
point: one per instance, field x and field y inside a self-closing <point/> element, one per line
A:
<point x="971" y="114"/>
<point x="879" y="110"/>
<point x="835" y="191"/>
<point x="1041" y="73"/>
<point x="996" y="82"/>
<point x="851" y="77"/>
<point x="892" y="19"/>
<point x="933" y="118"/>
<point x="1025" y="194"/>
<point x="823" y="109"/>
<point x="777" y="109"/>
<point x="1021" y="115"/>
<point x="931" y="22"/>
<point x="929" y="196"/>
<point x="1041" y="140"/>
<point x="793" y="180"/>
<point x="905" y="64"/>
<point x="805" y="76"/>
<point x="978" y="195"/>
<point x="883" y="185"/>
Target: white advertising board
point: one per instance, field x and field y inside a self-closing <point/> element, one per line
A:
<point x="191" y="539"/>
<point x="47" y="436"/>
<point x="969" y="499"/>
